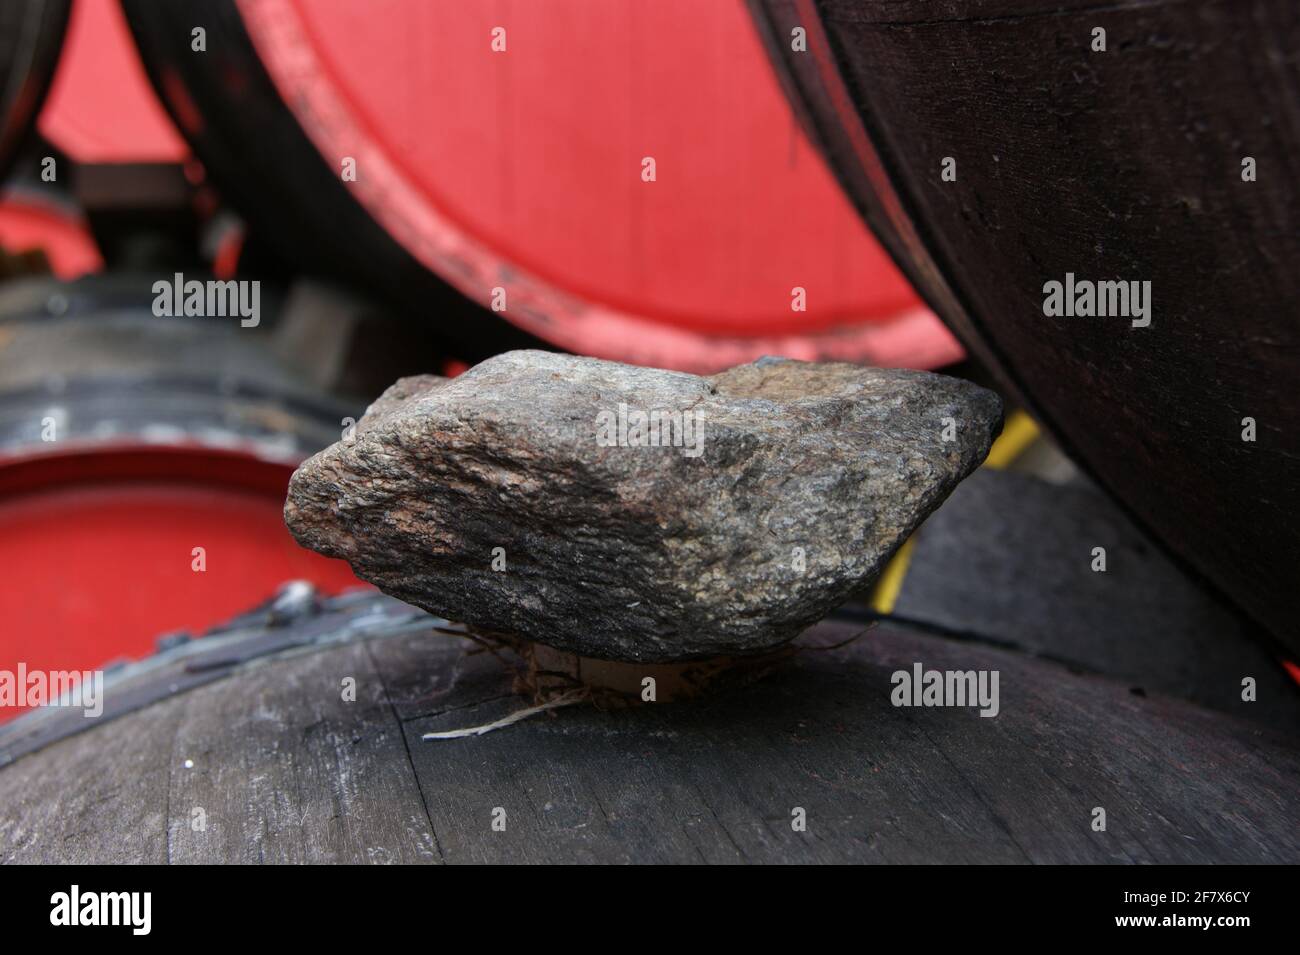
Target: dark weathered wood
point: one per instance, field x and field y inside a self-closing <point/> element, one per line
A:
<point x="1116" y="165"/>
<point x="287" y="771"/>
<point x="303" y="775"/>
<point x="281" y="768"/>
<point x="1008" y="559"/>
<point x="93" y="797"/>
<point x="31" y="35"/>
<point x="717" y="780"/>
<point x="188" y="664"/>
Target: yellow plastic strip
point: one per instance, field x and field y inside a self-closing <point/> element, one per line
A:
<point x="887" y="589"/>
<point x="1017" y="434"/>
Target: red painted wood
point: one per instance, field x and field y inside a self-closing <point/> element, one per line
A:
<point x="523" y="169"/>
<point x="101" y="107"/>
<point x="27" y="222"/>
<point x="96" y="549"/>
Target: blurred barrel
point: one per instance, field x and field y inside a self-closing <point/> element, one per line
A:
<point x="126" y="443"/>
<point x="31" y="33"/>
<point x="1155" y="142"/>
<point x="502" y="156"/>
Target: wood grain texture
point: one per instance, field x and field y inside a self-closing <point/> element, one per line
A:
<point x="1008" y="559"/>
<point x="1115" y="165"/>
<point x="93" y="798"/>
<point x="287" y="771"/>
<point x="302" y="775"/>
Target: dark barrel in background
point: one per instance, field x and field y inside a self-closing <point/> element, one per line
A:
<point x="1123" y="163"/>
<point x="31" y="34"/>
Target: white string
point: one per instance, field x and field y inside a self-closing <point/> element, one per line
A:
<point x="565" y="699"/>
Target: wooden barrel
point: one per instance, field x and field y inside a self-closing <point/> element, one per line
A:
<point x="596" y="176"/>
<point x="299" y="739"/>
<point x="997" y="146"/>
<point x="31" y="33"/>
<point x="143" y="467"/>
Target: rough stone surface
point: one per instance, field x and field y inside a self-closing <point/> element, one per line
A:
<point x="806" y="479"/>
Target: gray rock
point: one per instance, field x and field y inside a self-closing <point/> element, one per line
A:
<point x="776" y="490"/>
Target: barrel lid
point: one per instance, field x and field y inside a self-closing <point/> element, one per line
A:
<point x="604" y="180"/>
